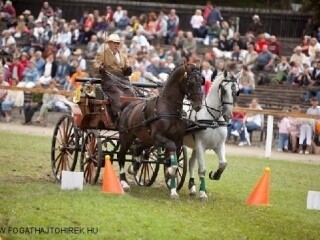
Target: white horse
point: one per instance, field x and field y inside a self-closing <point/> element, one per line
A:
<point x="213" y="119"/>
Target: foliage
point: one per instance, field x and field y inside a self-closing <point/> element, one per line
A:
<point x="312" y="6"/>
<point x="30" y="197"/>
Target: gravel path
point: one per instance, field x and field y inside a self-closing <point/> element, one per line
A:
<point x="254" y="151"/>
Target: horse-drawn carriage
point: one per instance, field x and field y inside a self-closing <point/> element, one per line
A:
<point x="150" y="131"/>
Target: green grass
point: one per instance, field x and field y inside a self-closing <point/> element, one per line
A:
<point x="29" y="197"/>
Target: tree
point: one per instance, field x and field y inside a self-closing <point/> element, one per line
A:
<point x="312" y="6"/>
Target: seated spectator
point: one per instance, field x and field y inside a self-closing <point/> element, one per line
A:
<point x="298" y="57"/>
<point x="251" y="57"/>
<point x="46" y="11"/>
<point x="294" y="131"/>
<point x="153" y="68"/>
<point x="282" y="70"/>
<point x="223" y="43"/>
<point x="92" y="47"/>
<point x="30" y="76"/>
<point x="202" y="31"/>
<point x="265" y="60"/>
<point x="79" y="73"/>
<point x="304" y="78"/>
<point x="213" y="34"/>
<point x="226" y="30"/>
<point x="21" y="29"/>
<point x="252" y="122"/>
<point x="142" y="42"/>
<point x="293" y="73"/>
<point x="274" y="46"/>
<point x="307" y="127"/>
<point x="261" y="43"/>
<point x="77" y="55"/>
<point x="237" y="56"/>
<point x="179" y="40"/>
<point x="189" y="45"/>
<point x="305" y="45"/>
<point x="40" y="62"/>
<point x="48" y="102"/>
<point x="16" y="69"/>
<point x="8" y="43"/>
<point x="13" y="99"/>
<point x="246" y="81"/>
<point x="314" y="46"/>
<point x="85" y="36"/>
<point x="49" y="71"/>
<point x="236" y="40"/>
<point x="284" y="131"/>
<point x="64" y="36"/>
<point x="62" y="73"/>
<point x="236" y="125"/>
<point x="314" y="84"/>
<point x="63" y="51"/>
<point x="9" y="12"/>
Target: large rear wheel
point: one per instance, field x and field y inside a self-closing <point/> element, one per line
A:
<point x="91" y="157"/>
<point x="64" y="146"/>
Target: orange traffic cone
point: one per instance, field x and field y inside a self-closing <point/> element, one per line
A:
<point x="110" y="183"/>
<point x="260" y="194"/>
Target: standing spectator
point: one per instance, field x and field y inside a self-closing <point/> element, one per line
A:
<point x="160" y="28"/>
<point x="307" y="127"/>
<point x="31" y="104"/>
<point x="309" y="29"/>
<point x="172" y="26"/>
<point x="215" y="15"/>
<point x="117" y="15"/>
<point x="206" y="72"/>
<point x="48" y="102"/>
<point x="294" y="128"/>
<point x="3" y="93"/>
<point x="13" y="99"/>
<point x="255" y="27"/>
<point x="284" y="131"/>
<point x="252" y="122"/>
<point x="207" y="10"/>
<point x="196" y="22"/>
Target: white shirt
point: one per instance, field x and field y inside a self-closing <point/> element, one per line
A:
<point x="196" y="21"/>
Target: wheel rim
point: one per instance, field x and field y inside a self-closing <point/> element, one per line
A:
<point x="91" y="158"/>
<point x="148" y="171"/>
<point x="64" y="148"/>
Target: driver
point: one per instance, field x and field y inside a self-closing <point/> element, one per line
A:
<point x="117" y="83"/>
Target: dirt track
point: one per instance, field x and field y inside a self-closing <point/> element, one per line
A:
<point x="255" y="151"/>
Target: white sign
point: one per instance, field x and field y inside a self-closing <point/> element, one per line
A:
<point x="72" y="180"/>
<point x="313" y="201"/>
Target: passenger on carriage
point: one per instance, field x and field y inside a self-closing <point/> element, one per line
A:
<point x="112" y="65"/>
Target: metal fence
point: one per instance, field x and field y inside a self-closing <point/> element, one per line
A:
<point x="283" y="24"/>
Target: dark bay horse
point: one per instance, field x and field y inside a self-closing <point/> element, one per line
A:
<point x="158" y="121"/>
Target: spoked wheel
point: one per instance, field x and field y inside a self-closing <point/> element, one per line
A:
<point x="148" y="171"/>
<point x="110" y="145"/>
<point x="64" y="147"/>
<point x="91" y="157"/>
<point x="182" y="168"/>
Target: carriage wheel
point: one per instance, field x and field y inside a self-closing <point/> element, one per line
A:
<point x="64" y="147"/>
<point x="110" y="146"/>
<point x="148" y="171"/>
<point x="91" y="157"/>
<point x="182" y="168"/>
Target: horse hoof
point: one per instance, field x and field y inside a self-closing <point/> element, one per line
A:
<point x="203" y="196"/>
<point x="125" y="186"/>
<point x="214" y="176"/>
<point x="131" y="170"/>
<point x="174" y="195"/>
<point x="171" y="171"/>
<point x="193" y="191"/>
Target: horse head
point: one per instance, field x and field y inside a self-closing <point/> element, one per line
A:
<point x="192" y="82"/>
<point x="229" y="90"/>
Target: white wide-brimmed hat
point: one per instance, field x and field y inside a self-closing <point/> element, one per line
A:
<point x="114" y="38"/>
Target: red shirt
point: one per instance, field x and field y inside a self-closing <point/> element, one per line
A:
<point x="238" y="115"/>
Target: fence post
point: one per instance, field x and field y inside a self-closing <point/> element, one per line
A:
<point x="269" y="136"/>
